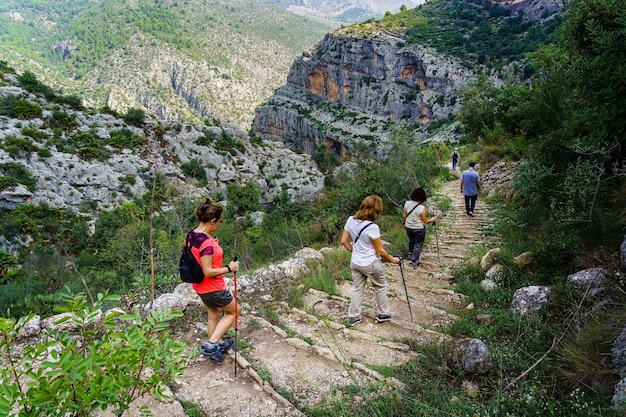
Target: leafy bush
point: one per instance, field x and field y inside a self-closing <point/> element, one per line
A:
<point x="228" y="144"/>
<point x="194" y="169"/>
<point x="25" y="110"/>
<point x="20" y="173"/>
<point x="135" y="117"/>
<point x="74" y="101"/>
<point x="62" y="120"/>
<point x="7" y="105"/>
<point x="103" y="368"/>
<point x="18" y="147"/>
<point x="125" y="138"/>
<point x="7" y="182"/>
<point x="244" y="199"/>
<point x="32" y="84"/>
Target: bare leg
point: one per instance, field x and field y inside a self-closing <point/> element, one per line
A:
<point x="213" y="319"/>
<point x="223" y="324"/>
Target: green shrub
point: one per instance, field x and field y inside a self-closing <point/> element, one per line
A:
<point x="7" y="182"/>
<point x="18" y="147"/>
<point x="125" y="138"/>
<point x="44" y="153"/>
<point x="104" y="368"/>
<point x="244" y="199"/>
<point x="228" y="144"/>
<point x="74" y="101"/>
<point x="135" y="117"/>
<point x="20" y="173"/>
<point x="7" y="105"/>
<point x="62" y="121"/>
<point x="26" y="110"/>
<point x="194" y="169"/>
<point x="32" y="84"/>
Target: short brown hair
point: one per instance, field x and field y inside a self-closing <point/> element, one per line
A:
<point x="209" y="211"/>
<point x="418" y="195"/>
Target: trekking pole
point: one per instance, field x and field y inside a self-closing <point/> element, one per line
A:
<point x="405" y="290"/>
<point x="236" y="314"/>
<point x="437" y="240"/>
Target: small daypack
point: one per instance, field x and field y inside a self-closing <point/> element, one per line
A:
<point x="188" y="267"/>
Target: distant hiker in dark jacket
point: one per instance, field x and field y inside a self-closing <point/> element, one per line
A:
<point x="455" y="158"/>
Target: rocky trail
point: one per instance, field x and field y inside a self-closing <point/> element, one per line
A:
<point x="313" y="358"/>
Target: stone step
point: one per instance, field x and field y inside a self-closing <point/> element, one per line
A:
<point x="285" y="363"/>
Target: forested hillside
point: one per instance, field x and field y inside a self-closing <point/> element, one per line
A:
<point x="177" y="59"/>
<point x="480" y="31"/>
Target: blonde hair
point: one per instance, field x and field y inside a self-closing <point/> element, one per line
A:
<point x="371" y="208"/>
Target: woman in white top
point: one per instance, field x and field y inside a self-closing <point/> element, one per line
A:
<point x="361" y="237"/>
<point x="415" y="219"/>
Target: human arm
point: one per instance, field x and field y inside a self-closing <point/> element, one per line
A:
<point x="345" y="241"/>
<point x="378" y="247"/>
<point x="404" y="214"/>
<point x="209" y="271"/>
<point x="461" y="184"/>
<point x="425" y="218"/>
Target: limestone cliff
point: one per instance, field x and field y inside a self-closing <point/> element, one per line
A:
<point x="68" y="178"/>
<point x="351" y="91"/>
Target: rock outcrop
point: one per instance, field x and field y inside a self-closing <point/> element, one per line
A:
<point x="67" y="178"/>
<point x="353" y="88"/>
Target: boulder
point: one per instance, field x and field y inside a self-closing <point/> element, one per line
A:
<point x="523" y="259"/>
<point x="619" y="353"/>
<point x="488" y="259"/>
<point x="471" y="355"/>
<point x="529" y="299"/>
<point x="592" y="281"/>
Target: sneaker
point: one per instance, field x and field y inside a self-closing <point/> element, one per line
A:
<point x="385" y="317"/>
<point x="213" y="351"/>
<point x="226" y="345"/>
<point x="355" y="320"/>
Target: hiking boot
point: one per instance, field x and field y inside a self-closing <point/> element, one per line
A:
<point x="385" y="317"/>
<point x="226" y="345"/>
<point x="414" y="264"/>
<point x="213" y="351"/>
<point x="355" y="320"/>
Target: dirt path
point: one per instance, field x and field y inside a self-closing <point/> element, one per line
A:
<point x="319" y="359"/>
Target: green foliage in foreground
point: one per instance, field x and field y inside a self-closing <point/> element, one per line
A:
<point x="576" y="380"/>
<point x="94" y="366"/>
<point x="569" y="132"/>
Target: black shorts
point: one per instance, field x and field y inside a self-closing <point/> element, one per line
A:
<point x="217" y="299"/>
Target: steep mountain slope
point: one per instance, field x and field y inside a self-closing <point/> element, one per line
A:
<point x="81" y="161"/>
<point x="181" y="60"/>
<point x="366" y="82"/>
<point x="354" y="90"/>
<point x="337" y="12"/>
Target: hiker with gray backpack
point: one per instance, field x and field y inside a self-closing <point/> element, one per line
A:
<point x="415" y="218"/>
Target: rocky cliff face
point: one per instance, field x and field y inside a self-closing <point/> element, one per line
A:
<point x="351" y="91"/>
<point x="533" y="10"/>
<point x="69" y="181"/>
